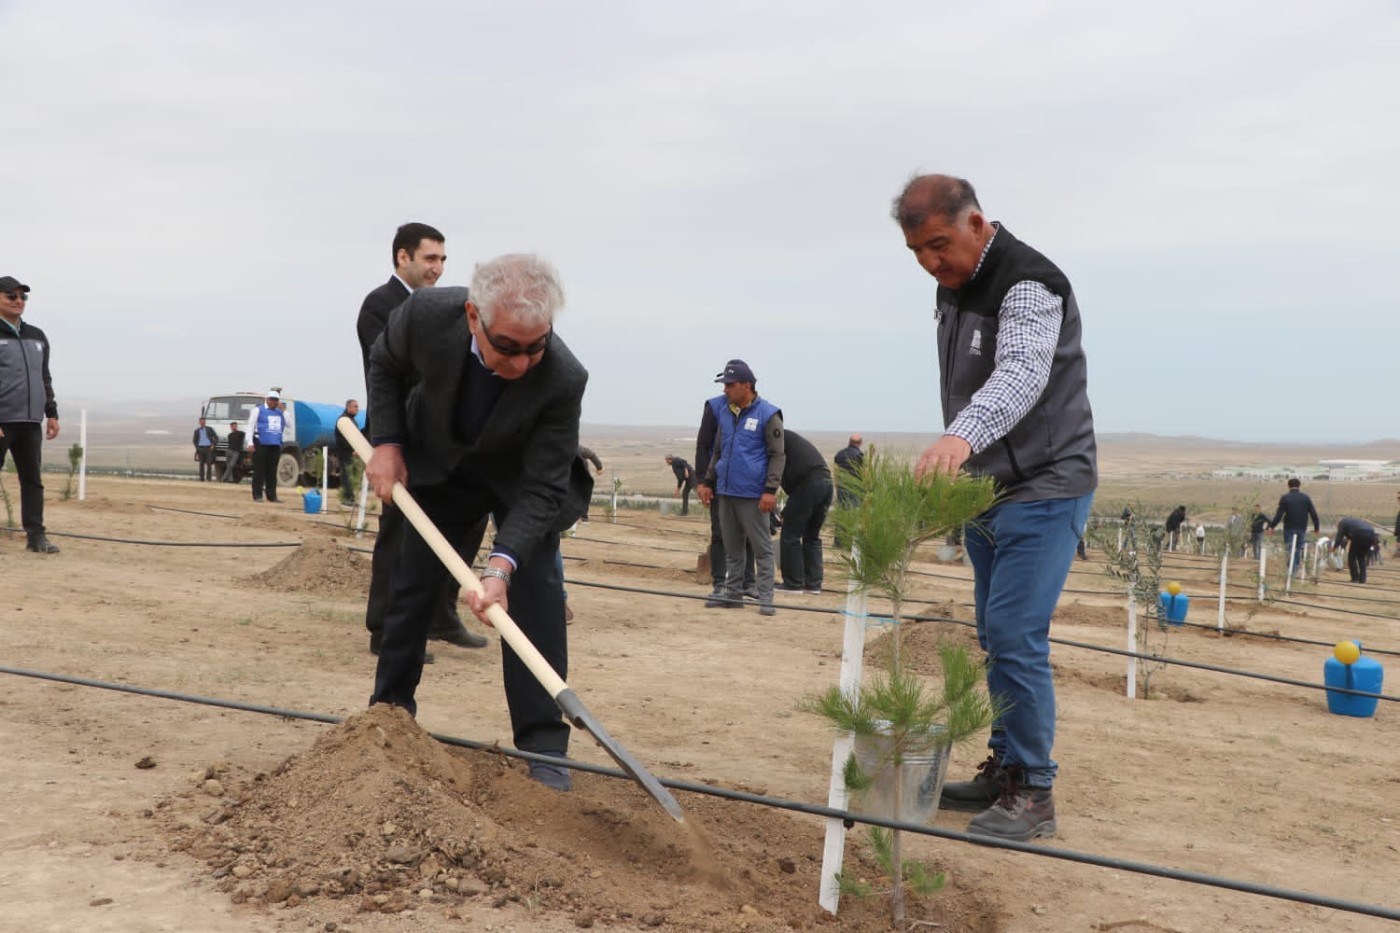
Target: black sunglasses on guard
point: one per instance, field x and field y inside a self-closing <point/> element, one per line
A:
<point x="17" y="296"/>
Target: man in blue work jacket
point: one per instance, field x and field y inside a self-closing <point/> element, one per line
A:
<point x="741" y="481"/>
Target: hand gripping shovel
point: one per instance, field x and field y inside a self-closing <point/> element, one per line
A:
<point x="568" y="701"/>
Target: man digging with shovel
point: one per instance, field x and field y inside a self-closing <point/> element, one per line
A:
<point x="476" y="408"/>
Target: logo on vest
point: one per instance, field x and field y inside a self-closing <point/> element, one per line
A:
<point x="750" y="423"/>
<point x="976" y="347"/>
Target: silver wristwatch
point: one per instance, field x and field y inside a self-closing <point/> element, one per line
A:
<point x="499" y="574"/>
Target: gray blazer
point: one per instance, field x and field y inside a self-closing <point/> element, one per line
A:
<point x="527" y="454"/>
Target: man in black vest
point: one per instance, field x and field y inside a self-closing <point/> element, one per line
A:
<point x="1015" y="407"/>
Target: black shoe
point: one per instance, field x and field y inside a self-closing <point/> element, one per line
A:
<point x="461" y="636"/>
<point x="767" y="611"/>
<point x="552" y="776"/>
<point x="1020" y="815"/>
<point x="40" y="544"/>
<point x="270" y="499"/>
<point x="790" y="588"/>
<point x="978" y="794"/>
<point x="720" y="601"/>
<point x="257" y="498"/>
<point x="375" y="638"/>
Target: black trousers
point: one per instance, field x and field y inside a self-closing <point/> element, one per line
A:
<point x="206" y="464"/>
<point x="686" y="487"/>
<point x="536" y="604"/>
<point x="717" y="555"/>
<point x="387" y="547"/>
<point x="342" y="461"/>
<point x="24" y="440"/>
<point x="800" y="543"/>
<point x="265" y="458"/>
<point x="1359" y="555"/>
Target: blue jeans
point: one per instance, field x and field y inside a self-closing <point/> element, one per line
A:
<point x="1021" y="553"/>
<point x="1293" y="542"/>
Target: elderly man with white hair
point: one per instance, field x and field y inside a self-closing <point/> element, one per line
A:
<point x="476" y="405"/>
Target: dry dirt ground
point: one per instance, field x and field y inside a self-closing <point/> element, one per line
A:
<point x="133" y="813"/>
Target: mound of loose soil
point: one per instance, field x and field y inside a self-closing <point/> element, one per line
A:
<point x="918" y="645"/>
<point x="379" y="817"/>
<point x="319" y="565"/>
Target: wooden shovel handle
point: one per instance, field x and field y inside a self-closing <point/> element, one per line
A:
<point x="519" y="643"/>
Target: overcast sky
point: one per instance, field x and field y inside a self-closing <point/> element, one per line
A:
<point x="200" y="195"/>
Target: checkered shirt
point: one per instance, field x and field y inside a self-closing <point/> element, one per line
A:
<point x="1028" y="331"/>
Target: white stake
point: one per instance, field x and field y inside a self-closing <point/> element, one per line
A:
<point x="1288" y="577"/>
<point x="1263" y="556"/>
<point x="82" y="464"/>
<point x="1132" y="646"/>
<point x="1224" y="573"/>
<point x="325" y="478"/>
<point x="360" y="512"/>
<point x="852" y="657"/>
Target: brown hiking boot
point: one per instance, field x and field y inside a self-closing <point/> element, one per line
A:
<point x="1021" y="813"/>
<point x="978" y="794"/>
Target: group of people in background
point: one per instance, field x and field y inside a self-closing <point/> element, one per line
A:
<point x="1295" y="512"/>
<point x="206" y="444"/>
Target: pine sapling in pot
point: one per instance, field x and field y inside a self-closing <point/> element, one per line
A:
<point x="899" y="714"/>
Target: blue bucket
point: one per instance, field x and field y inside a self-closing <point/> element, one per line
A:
<point x="1363" y="674"/>
<point x="1173" y="608"/>
<point x="311" y="502"/>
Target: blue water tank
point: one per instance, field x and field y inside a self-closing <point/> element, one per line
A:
<point x="311" y="502"/>
<point x="1173" y="608"/>
<point x="1363" y="674"/>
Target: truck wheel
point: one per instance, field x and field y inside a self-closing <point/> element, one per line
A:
<point x="288" y="470"/>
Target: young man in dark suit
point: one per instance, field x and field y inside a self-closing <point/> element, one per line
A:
<point x="476" y="408"/>
<point x="419" y="253"/>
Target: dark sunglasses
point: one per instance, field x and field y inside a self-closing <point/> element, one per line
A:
<point x="17" y="296"/>
<point x="511" y="349"/>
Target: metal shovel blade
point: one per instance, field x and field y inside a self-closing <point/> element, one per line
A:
<point x="578" y="714"/>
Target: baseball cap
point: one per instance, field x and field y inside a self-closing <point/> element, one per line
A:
<point x="273" y="394"/>
<point x="736" y="371"/>
<point x="8" y="283"/>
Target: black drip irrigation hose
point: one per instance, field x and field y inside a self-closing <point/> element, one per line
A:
<point x="1227" y="630"/>
<point x="1053" y="640"/>
<point x="166" y="508"/>
<point x="70" y="534"/>
<point x="780" y="803"/>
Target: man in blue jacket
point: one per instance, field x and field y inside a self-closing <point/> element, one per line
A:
<point x="742" y="481"/>
<point x="268" y="420"/>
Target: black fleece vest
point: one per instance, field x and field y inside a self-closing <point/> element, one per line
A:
<point x="1050" y="453"/>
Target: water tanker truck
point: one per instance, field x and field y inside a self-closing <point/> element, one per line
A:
<point x="309" y="427"/>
